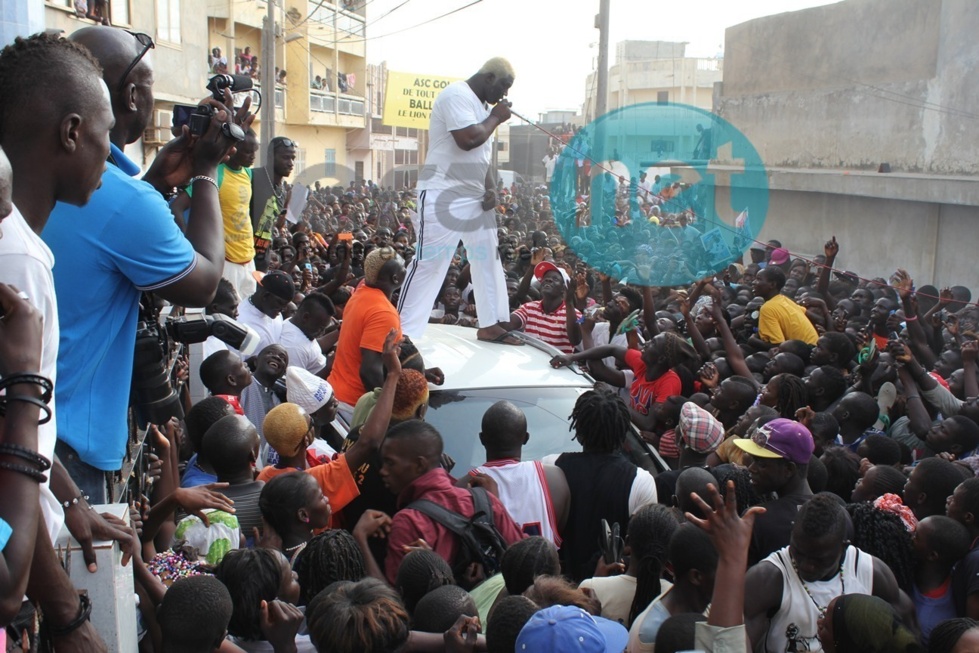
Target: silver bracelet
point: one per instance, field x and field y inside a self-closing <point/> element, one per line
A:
<point x="210" y="180"/>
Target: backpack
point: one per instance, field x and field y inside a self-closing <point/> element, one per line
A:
<point x="481" y="541"/>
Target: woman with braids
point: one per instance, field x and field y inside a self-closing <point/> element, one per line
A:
<point x="785" y="393"/>
<point x="626" y="595"/>
<point x="881" y="533"/>
<point x="327" y="558"/>
<point x="262" y="586"/>
<point x="654" y="377"/>
<point x="955" y="636"/>
<point x="293" y="505"/>
<point x="604" y="483"/>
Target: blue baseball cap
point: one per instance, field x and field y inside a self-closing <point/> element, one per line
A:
<point x="569" y="629"/>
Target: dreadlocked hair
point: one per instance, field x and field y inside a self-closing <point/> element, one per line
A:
<point x="792" y="395"/>
<point x="251" y="576"/>
<point x="882" y="533"/>
<point x="526" y="560"/>
<point x="600" y="420"/>
<point x="947" y="634"/>
<point x="329" y="557"/>
<point x="30" y="68"/>
<point x="421" y="572"/>
<point x="650" y="530"/>
<point x="744" y="491"/>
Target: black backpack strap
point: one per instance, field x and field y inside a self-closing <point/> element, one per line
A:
<point x="451" y="520"/>
<point x="482" y="506"/>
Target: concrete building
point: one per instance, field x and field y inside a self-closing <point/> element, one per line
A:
<point x="829" y="94"/>
<point x="388" y="155"/>
<point x="318" y="44"/>
<point x="655" y="71"/>
<point x="523" y="146"/>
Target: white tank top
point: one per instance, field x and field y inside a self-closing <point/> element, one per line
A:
<point x="793" y="627"/>
<point x="524" y="493"/>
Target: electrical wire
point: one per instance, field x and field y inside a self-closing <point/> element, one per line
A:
<point x="405" y="29"/>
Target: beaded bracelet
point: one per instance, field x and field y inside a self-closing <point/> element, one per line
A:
<point x="74" y="502"/>
<point x="84" y="613"/>
<point x="30" y="400"/>
<point x="36" y="379"/>
<point x="23" y="469"/>
<point x="31" y="456"/>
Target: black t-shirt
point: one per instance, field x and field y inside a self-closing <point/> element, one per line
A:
<point x="773" y="528"/>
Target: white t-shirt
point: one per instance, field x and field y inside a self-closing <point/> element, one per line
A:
<point x="269" y="331"/>
<point x="549" y="163"/>
<point x="447" y="165"/>
<point x="26" y="262"/>
<point x="303" y="352"/>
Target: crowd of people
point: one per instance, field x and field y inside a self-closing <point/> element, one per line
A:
<point x="819" y="430"/>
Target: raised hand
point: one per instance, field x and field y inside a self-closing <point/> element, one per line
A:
<point x="831" y="248"/>
<point x="391" y="352"/>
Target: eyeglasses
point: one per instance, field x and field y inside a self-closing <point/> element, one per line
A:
<point x="147" y="42"/>
<point x="283" y="142"/>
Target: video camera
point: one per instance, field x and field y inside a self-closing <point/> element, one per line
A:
<point x="154" y="397"/>
<point x="198" y="118"/>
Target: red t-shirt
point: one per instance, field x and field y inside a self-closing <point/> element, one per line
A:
<point x="646" y="393"/>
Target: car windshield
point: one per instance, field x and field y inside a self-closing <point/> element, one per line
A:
<point x="457" y="415"/>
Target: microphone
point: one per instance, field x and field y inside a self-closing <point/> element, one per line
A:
<point x="235" y="83"/>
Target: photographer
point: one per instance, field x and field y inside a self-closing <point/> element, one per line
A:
<point x="122" y="243"/>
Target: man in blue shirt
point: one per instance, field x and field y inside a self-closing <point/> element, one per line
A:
<point x="122" y="243"/>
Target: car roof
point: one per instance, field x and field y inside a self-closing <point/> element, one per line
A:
<point x="469" y="363"/>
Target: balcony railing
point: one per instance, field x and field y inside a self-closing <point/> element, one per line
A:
<point x="326" y="102"/>
<point x="280" y="95"/>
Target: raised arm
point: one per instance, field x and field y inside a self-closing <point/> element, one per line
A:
<point x="373" y="430"/>
<point x="830" y="250"/>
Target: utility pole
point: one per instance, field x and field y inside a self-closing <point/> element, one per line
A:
<point x="597" y="185"/>
<point x="268" y="81"/>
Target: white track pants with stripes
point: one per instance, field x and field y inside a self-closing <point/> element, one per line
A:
<point x="443" y="219"/>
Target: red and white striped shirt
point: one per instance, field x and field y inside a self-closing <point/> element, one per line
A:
<point x="552" y="328"/>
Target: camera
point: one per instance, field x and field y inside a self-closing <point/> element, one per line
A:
<point x="200" y="117"/>
<point x="153" y="396"/>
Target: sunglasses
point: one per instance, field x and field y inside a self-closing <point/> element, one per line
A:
<point x="284" y="142"/>
<point x="147" y="42"/>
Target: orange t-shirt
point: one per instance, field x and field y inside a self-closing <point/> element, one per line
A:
<point x="367" y="319"/>
<point x="334" y="478"/>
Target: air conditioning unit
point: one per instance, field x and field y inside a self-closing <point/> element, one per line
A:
<point x="159" y="132"/>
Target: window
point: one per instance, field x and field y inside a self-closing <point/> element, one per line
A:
<point x="168" y="20"/>
<point x="119" y="12"/>
<point x="359" y="170"/>
<point x="330" y="163"/>
<point x="300" y="163"/>
<point x="663" y="97"/>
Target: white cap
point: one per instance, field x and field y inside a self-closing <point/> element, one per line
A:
<point x="306" y="390"/>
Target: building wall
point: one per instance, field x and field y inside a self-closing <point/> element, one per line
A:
<point x="871" y="81"/>
<point x="828" y="94"/>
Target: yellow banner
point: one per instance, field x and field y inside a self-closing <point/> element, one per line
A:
<point x="408" y="98"/>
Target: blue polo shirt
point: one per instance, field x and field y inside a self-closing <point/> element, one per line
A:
<point x="122" y="242"/>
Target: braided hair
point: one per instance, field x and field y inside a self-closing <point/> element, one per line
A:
<point x="420" y="572"/>
<point x="677" y="350"/>
<point x="526" y="560"/>
<point x="650" y="530"/>
<point x="947" y="634"/>
<point x="283" y="496"/>
<point x="600" y="420"/>
<point x="744" y="491"/>
<point x="251" y="576"/>
<point x="329" y="557"/>
<point x="882" y="533"/>
<point x="792" y="395"/>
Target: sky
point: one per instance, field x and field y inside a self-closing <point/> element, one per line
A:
<point x="552" y="45"/>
